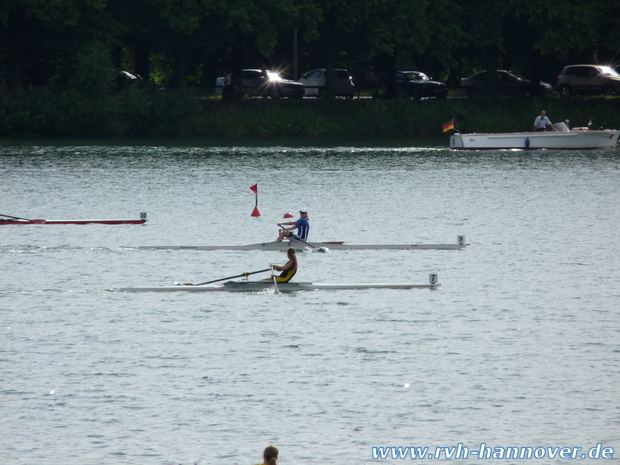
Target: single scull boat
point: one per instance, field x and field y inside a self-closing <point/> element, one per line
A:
<point x="284" y="245"/>
<point x="5" y="219"/>
<point x="258" y="286"/>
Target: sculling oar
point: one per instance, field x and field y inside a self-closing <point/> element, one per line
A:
<point x="23" y="219"/>
<point x="15" y="217"/>
<point x="247" y="273"/>
<point x="297" y="238"/>
<point x="275" y="281"/>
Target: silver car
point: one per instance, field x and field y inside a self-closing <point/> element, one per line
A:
<point x="588" y="79"/>
<point x="315" y="83"/>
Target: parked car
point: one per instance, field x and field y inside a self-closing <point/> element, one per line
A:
<point x="417" y="85"/>
<point x="315" y="83"/>
<point x="508" y="84"/>
<point x="588" y="79"/>
<point x="124" y="79"/>
<point x="258" y="83"/>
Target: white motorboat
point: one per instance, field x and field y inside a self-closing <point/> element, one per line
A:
<point x="563" y="139"/>
<point x="260" y="286"/>
<point x="300" y="245"/>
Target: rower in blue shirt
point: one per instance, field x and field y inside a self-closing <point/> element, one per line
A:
<point x="302" y="225"/>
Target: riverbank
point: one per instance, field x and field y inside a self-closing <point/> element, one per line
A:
<point x="399" y="118"/>
<point x="148" y="113"/>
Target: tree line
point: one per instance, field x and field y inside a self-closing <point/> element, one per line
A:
<point x="188" y="43"/>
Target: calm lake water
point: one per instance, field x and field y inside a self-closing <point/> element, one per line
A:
<point x="519" y="347"/>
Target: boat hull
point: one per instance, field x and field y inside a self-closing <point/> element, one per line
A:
<point x="558" y="140"/>
<point x="23" y="221"/>
<point x="5" y="222"/>
<point x="258" y="286"/>
<point x="284" y="245"/>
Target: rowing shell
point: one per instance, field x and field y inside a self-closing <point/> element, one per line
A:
<point x="248" y="286"/>
<point x="142" y="220"/>
<point x="257" y="286"/>
<point x="284" y="245"/>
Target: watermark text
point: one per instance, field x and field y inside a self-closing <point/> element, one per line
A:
<point x="486" y="452"/>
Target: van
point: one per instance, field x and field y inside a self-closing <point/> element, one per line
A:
<point x="588" y="79"/>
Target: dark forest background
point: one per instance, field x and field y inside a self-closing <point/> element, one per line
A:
<point x="188" y="43"/>
<point x="59" y="59"/>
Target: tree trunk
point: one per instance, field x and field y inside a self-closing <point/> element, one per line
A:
<point x="330" y="54"/>
<point x="492" y="66"/>
<point x="141" y="63"/>
<point x="179" y="66"/>
<point x="535" y="74"/>
<point x="390" y="78"/>
<point x="16" y="30"/>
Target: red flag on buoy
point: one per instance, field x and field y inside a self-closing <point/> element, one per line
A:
<point x="256" y="211"/>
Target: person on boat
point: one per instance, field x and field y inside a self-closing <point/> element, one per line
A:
<point x="542" y="122"/>
<point x="270" y="455"/>
<point x="288" y="269"/>
<point x="302" y="225"/>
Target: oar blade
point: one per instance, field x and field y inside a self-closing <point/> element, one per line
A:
<point x="316" y="249"/>
<point x="275" y="280"/>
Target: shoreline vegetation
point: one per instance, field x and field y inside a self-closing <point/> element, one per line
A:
<point x="148" y="113"/>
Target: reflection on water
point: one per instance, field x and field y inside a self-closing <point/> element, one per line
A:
<point x="517" y="348"/>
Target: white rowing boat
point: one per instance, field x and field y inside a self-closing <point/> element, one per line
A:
<point x="259" y="286"/>
<point x="299" y="245"/>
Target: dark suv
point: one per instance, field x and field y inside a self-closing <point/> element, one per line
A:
<point x="588" y="79"/>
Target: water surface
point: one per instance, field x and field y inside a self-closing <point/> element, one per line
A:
<point x="519" y="346"/>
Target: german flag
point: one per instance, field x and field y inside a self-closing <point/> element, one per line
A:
<point x="448" y="126"/>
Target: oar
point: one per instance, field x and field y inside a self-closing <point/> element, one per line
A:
<point x="24" y="219"/>
<point x="297" y="238"/>
<point x="15" y="217"/>
<point x="247" y="273"/>
<point x="275" y="281"/>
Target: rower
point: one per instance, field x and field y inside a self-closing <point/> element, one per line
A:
<point x="288" y="269"/>
<point x="302" y="225"/>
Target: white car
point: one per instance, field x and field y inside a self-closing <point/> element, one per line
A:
<point x="588" y="79"/>
<point x="315" y="83"/>
<point x="256" y="83"/>
<point x="220" y="83"/>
